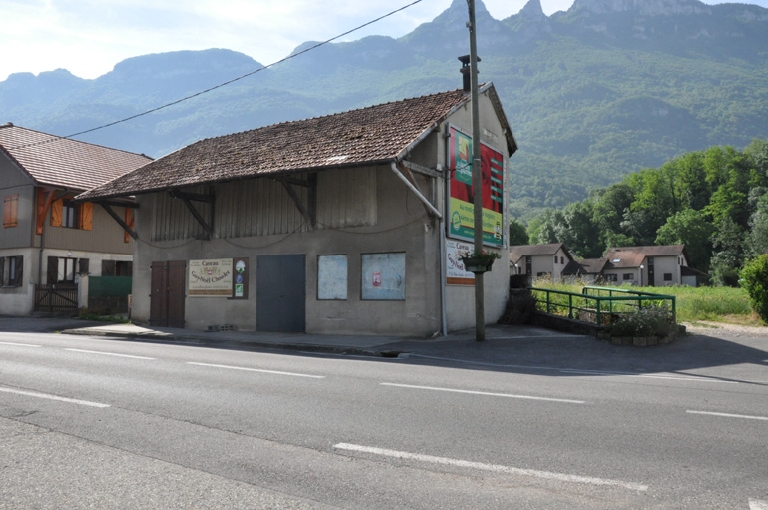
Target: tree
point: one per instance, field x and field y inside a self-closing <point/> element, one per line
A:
<point x="692" y="229"/>
<point x="728" y="246"/>
<point x="517" y="234"/>
<point x="755" y="281"/>
<point x="757" y="236"/>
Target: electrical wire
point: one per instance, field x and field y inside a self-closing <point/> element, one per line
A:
<point x="224" y="84"/>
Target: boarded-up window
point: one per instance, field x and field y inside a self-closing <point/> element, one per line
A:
<point x="11" y="211"/>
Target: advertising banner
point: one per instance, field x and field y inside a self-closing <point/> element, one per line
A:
<point x="456" y="273"/>
<point x="210" y="277"/>
<point x="461" y="207"/>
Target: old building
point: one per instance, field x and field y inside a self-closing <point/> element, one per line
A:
<point x="348" y="223"/>
<point x="46" y="239"/>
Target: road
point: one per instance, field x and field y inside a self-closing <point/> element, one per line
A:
<point x="94" y="422"/>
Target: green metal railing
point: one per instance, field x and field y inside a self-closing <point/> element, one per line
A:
<point x="599" y="305"/>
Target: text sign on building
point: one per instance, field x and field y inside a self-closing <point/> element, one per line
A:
<point x="461" y="209"/>
<point x="455" y="272"/>
<point x="210" y="277"/>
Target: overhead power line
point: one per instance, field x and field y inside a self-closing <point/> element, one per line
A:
<point x="229" y="82"/>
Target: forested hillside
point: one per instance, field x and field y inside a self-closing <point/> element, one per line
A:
<point x="593" y="94"/>
<point x="714" y="201"/>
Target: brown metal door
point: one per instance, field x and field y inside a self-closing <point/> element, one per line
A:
<point x="167" y="299"/>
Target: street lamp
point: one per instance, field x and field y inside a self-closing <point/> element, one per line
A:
<point x="641" y="274"/>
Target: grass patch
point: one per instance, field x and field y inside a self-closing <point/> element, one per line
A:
<point x="713" y="304"/>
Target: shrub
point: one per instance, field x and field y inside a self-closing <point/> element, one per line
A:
<point x="651" y="320"/>
<point x="520" y="308"/>
<point x="754" y="279"/>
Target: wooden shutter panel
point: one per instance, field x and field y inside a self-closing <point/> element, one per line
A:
<point x="10" y="211"/>
<point x="56" y="212"/>
<point x="130" y="220"/>
<point x="86" y="216"/>
<point x="53" y="270"/>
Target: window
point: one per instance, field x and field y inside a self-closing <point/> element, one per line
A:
<point x="629" y="276"/>
<point x="555" y="259"/>
<point x="68" y="214"/>
<point x="667" y="277"/>
<point x="11" y="211"/>
<point x="116" y="268"/>
<point x="11" y="271"/>
<point x="611" y="277"/>
<point x="562" y="260"/>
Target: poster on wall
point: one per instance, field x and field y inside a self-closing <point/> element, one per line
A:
<point x="461" y="209"/>
<point x="456" y="273"/>
<point x="210" y="277"/>
<point x="383" y="276"/>
<point x="332" y="277"/>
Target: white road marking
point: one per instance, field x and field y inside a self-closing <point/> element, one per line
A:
<point x="109" y="354"/>
<point x="485" y="393"/>
<point x="562" y="477"/>
<point x="729" y="415"/>
<point x="277" y="372"/>
<point x="18" y="345"/>
<point x="755" y="504"/>
<point x="649" y="376"/>
<point x="578" y="371"/>
<point x="53" y="397"/>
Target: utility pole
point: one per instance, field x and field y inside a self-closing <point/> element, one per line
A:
<point x="477" y="176"/>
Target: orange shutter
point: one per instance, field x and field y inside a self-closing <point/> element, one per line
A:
<point x="10" y="211"/>
<point x="129" y="220"/>
<point x="56" y="210"/>
<point x="86" y="216"/>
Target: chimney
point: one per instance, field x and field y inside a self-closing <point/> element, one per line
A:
<point x="465" y="68"/>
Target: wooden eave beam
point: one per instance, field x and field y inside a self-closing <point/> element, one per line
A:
<point x="309" y="211"/>
<point x="108" y="207"/>
<point x="414" y="167"/>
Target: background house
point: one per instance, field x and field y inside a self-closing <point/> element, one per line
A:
<point x="539" y="261"/>
<point x="46" y="238"/>
<point x="646" y="265"/>
<point x="348" y="223"/>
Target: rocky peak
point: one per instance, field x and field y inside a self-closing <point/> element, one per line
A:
<point x="532" y="10"/>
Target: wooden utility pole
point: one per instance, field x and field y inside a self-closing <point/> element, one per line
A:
<point x="477" y="176"/>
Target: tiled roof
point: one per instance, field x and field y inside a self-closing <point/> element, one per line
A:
<point x="64" y="163"/>
<point x="376" y="134"/>
<point x="515" y="252"/>
<point x="634" y="256"/>
<point x="587" y="266"/>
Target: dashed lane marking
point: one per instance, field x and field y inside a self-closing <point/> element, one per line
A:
<point x="53" y="397"/>
<point x="485" y="393"/>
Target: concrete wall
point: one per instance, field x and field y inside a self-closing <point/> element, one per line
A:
<point x="664" y="265"/>
<point x="19" y="301"/>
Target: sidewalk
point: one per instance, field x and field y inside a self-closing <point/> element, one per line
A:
<point x="341" y="344"/>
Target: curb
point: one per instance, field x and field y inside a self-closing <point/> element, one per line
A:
<point x="196" y="340"/>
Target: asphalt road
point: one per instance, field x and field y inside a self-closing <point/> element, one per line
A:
<point x="520" y="422"/>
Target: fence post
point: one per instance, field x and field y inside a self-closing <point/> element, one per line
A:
<point x="599" y="321"/>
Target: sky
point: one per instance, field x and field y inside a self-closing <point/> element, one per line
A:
<point x="88" y="37"/>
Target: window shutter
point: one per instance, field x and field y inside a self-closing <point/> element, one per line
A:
<point x="86" y="216"/>
<point x="56" y="211"/>
<point x="53" y="270"/>
<point x="130" y="220"/>
<point x="11" y="211"/>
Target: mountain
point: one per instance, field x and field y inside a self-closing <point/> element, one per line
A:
<point x="603" y="89"/>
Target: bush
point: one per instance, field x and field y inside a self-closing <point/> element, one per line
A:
<point x="520" y="308"/>
<point x="754" y="279"/>
<point x="648" y="321"/>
